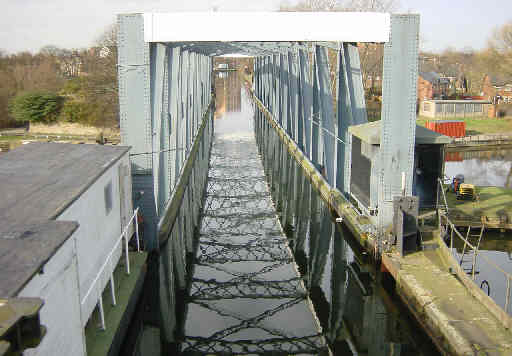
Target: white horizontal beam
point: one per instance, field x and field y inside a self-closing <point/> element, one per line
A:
<point x="266" y="26"/>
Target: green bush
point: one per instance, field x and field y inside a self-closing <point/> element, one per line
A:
<point x="36" y="107"/>
<point x="75" y="111"/>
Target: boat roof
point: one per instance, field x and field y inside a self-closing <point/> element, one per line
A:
<point x="39" y="181"/>
<point x="26" y="249"/>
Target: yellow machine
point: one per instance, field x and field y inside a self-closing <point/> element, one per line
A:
<point x="466" y="191"/>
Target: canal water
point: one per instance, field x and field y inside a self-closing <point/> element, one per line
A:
<point x="486" y="168"/>
<point x="274" y="274"/>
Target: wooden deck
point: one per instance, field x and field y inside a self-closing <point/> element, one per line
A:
<point x="493" y="207"/>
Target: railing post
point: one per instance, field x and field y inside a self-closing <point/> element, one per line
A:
<point x="507" y="297"/>
<point x="137" y="229"/>
<point x="113" y="289"/>
<point x="126" y="253"/>
<point x="451" y="238"/>
<point x="112" y="285"/>
<point x="102" y="313"/>
<point x="473" y="265"/>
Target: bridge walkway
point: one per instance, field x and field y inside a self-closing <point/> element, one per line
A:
<point x="246" y="294"/>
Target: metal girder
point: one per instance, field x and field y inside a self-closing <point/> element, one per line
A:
<point x="134" y="91"/>
<point x="157" y="80"/>
<point x="293" y="93"/>
<point x="173" y="85"/>
<point x="306" y="97"/>
<point x="326" y="112"/>
<point x="177" y="97"/>
<point x="398" y="113"/>
<point x="283" y="81"/>
<point x="316" y="148"/>
<point x="256" y="49"/>
<point x="351" y="109"/>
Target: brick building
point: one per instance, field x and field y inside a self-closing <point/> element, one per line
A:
<point x="497" y="90"/>
<point x="432" y="86"/>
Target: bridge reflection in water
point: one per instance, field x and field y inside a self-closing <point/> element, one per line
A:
<point x="273" y="273"/>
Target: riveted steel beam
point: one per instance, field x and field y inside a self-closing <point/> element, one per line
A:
<point x="398" y="113"/>
<point x="326" y="117"/>
<point x="157" y="81"/>
<point x="306" y="97"/>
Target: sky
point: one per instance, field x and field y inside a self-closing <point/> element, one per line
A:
<point x="28" y="25"/>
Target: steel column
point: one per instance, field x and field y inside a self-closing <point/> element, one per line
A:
<point x="398" y="113"/>
<point x="306" y="101"/>
<point x="326" y="117"/>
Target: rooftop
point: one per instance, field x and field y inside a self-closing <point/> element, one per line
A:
<point x="39" y="181"/>
<point x="431" y="77"/>
<point x="464" y="101"/>
<point x="25" y="250"/>
<point x="370" y="133"/>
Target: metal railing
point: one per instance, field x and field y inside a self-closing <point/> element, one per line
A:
<point x="109" y="262"/>
<point x="467" y="244"/>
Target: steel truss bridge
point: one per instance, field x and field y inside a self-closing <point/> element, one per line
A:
<point x="179" y="169"/>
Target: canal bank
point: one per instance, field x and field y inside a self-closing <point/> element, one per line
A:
<point x="424" y="297"/>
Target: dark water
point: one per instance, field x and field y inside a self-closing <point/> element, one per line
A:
<point x="274" y="274"/>
<point x="246" y="295"/>
<point x="486" y="168"/>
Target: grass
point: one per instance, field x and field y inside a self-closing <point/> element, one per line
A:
<point x="12" y="138"/>
<point x="493" y="202"/>
<point x="480" y="125"/>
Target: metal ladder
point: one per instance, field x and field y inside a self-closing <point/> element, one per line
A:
<point x="471" y="270"/>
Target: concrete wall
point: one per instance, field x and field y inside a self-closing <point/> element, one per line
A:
<point x="99" y="231"/>
<point x="60" y="314"/>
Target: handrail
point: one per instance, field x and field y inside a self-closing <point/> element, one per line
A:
<point x="444" y="195"/>
<point x="507" y="275"/>
<point x="108" y="260"/>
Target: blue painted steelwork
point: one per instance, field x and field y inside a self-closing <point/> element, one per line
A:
<point x="306" y="95"/>
<point x="351" y="109"/>
<point x="324" y="139"/>
<point x="165" y="90"/>
<point x="164" y="93"/>
<point x="399" y="91"/>
<point x="326" y="113"/>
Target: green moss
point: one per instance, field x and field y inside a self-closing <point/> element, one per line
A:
<point x="99" y="341"/>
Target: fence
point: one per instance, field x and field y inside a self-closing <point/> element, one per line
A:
<point x="109" y="263"/>
<point x="449" y="226"/>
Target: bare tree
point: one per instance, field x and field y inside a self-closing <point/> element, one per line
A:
<point x="371" y="5"/>
<point x="347" y="5"/>
<point x="312" y="5"/>
<point x="371" y="54"/>
<point x="500" y="49"/>
<point x="501" y="39"/>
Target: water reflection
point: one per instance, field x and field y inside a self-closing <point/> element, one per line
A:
<point x="228" y="92"/>
<point x="255" y="291"/>
<point x="496" y="247"/>
<point x="246" y="296"/>
<point x="483" y="168"/>
<point x="357" y="314"/>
